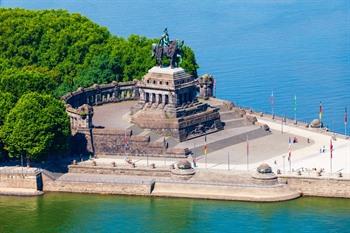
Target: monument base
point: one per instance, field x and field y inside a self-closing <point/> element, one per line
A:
<point x="181" y="128"/>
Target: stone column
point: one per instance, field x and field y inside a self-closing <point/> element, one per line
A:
<point x="157" y="99"/>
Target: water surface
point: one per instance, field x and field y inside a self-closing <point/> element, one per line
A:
<point x="67" y="213"/>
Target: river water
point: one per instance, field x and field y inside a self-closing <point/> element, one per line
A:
<point x="252" y="47"/>
<point x="97" y="213"/>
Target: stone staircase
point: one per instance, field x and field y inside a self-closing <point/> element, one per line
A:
<point x="228" y="141"/>
<point x="237" y="128"/>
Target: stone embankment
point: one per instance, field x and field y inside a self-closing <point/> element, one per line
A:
<point x="20" y="181"/>
<point x="321" y="186"/>
<point x="160" y="181"/>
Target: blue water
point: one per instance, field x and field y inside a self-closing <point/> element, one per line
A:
<point x="66" y="213"/>
<point x="252" y="47"/>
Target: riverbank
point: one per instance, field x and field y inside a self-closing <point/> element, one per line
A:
<point x="204" y="184"/>
<point x="215" y="176"/>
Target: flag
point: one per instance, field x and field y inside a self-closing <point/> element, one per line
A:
<point x="331" y="148"/>
<point x="205" y="146"/>
<point x="289" y="148"/>
<point x="321" y="112"/>
<point x="346" y="116"/>
<point x="295" y="103"/>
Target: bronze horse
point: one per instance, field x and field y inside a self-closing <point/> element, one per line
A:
<point x="172" y="51"/>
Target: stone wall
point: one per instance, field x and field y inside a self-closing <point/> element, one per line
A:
<point x="99" y="141"/>
<point x="100" y="188"/>
<point x="102" y="94"/>
<point x="224" y="192"/>
<point x="103" y="142"/>
<point x="120" y="170"/>
<point x="15" y="177"/>
<point x="318" y="186"/>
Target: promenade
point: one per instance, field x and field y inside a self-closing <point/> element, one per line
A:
<point x="271" y="149"/>
<point x="227" y="149"/>
<point x="310" y="157"/>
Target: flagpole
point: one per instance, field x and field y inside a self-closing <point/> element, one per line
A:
<point x="290" y="154"/>
<point x="290" y="162"/>
<point x="272" y="105"/>
<point x="345" y="121"/>
<point x="228" y="161"/>
<point x="295" y="108"/>
<point x="247" y="140"/>
<point x="320" y="115"/>
<point x="331" y="153"/>
<point x="205" y="151"/>
<point x="206" y="166"/>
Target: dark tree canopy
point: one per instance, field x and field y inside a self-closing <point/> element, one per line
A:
<point x="36" y="126"/>
<point x="71" y="51"/>
<point x="7" y="102"/>
<point x="46" y="53"/>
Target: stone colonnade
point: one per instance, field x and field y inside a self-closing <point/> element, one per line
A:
<point x="101" y="94"/>
<point x="159" y="98"/>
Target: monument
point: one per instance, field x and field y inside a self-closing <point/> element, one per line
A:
<point x="168" y="101"/>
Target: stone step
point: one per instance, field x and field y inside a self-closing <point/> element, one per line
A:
<point x="229" y="141"/>
<point x="154" y="136"/>
<point x="228" y="115"/>
<point x="170" y="141"/>
<point x="235" y="123"/>
<point x="135" y="129"/>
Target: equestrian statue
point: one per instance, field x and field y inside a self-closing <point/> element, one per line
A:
<point x="169" y="49"/>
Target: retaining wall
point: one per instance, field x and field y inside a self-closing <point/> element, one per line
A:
<point x="225" y="192"/>
<point x="16" y="177"/>
<point x="318" y="186"/>
<point x="100" y="188"/>
<point x="156" y="172"/>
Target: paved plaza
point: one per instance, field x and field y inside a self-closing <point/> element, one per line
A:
<point x="227" y="149"/>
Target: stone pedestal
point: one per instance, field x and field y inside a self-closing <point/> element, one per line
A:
<point x="168" y="104"/>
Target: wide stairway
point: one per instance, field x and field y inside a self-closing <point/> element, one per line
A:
<point x="237" y="129"/>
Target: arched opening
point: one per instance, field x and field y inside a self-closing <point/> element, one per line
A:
<point x="160" y="98"/>
<point x="147" y="97"/>
<point x="166" y="99"/>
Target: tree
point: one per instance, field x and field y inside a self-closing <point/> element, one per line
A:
<point x="7" y="102"/>
<point x="189" y="61"/>
<point x="22" y="81"/>
<point x="69" y="51"/>
<point x="36" y="126"/>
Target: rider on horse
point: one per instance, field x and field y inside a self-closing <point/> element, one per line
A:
<point x="164" y="39"/>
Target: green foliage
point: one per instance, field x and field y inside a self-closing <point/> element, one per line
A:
<point x="52" y="52"/>
<point x="19" y="82"/>
<point x="71" y="50"/>
<point x="36" y="126"/>
<point x="189" y="61"/>
<point x="7" y="102"/>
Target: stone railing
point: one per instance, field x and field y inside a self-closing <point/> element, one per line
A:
<point x="101" y="94"/>
<point x="100" y="141"/>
